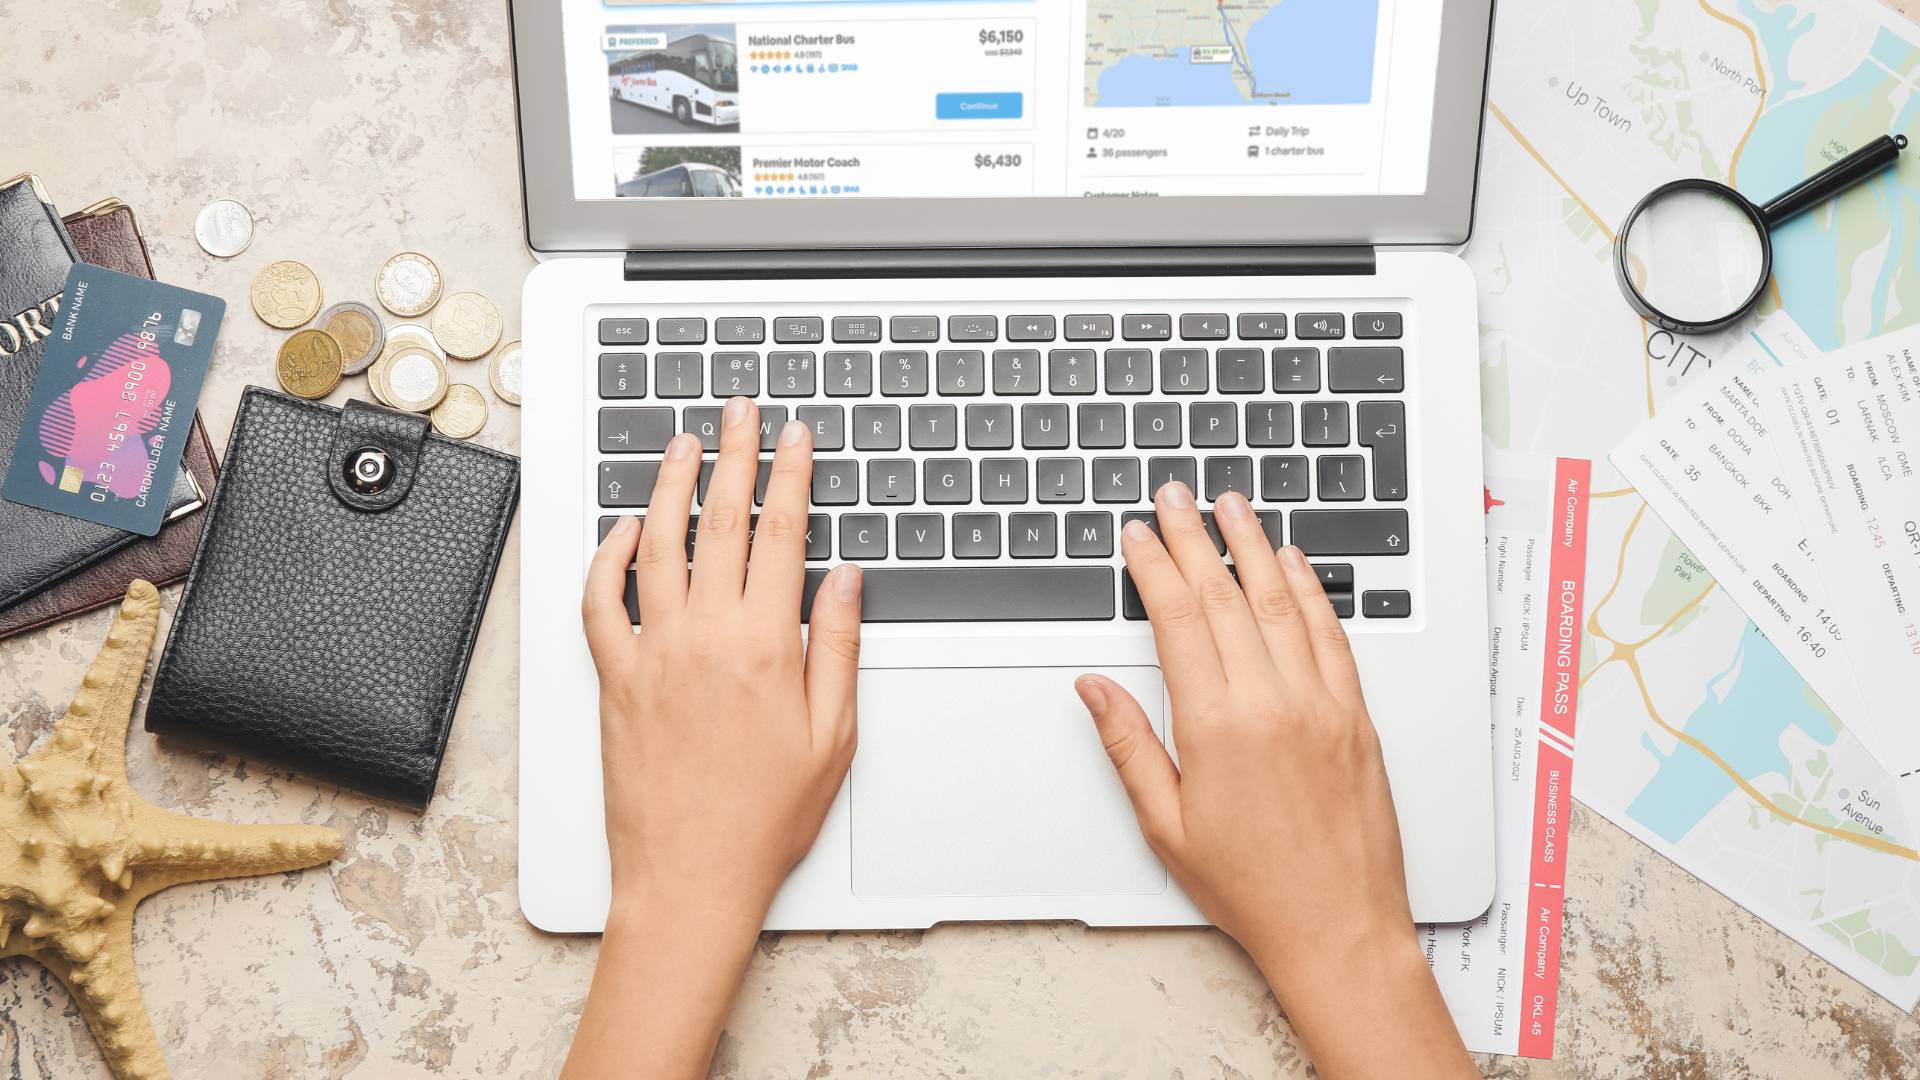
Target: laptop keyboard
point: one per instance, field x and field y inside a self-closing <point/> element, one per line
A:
<point x="981" y="464"/>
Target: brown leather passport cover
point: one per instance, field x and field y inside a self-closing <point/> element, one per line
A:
<point x="106" y="234"/>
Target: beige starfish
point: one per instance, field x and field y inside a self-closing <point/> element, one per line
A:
<point x="79" y="848"/>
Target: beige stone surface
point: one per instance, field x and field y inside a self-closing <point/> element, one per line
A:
<point x="355" y="128"/>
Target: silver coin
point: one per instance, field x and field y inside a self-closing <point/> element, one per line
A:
<point x="224" y="228"/>
<point x="358" y="330"/>
<point x="414" y="334"/>
<point x="416" y="380"/>
<point x="504" y="374"/>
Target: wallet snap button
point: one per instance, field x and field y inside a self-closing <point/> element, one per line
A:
<point x="369" y="470"/>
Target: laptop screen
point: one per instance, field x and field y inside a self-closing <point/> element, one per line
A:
<point x="760" y="99"/>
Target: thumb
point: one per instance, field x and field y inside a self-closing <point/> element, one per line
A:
<point x="1152" y="783"/>
<point x="833" y="657"/>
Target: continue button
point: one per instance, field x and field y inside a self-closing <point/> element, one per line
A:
<point x="976" y="106"/>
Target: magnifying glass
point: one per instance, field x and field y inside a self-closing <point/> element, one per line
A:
<point x="1695" y="255"/>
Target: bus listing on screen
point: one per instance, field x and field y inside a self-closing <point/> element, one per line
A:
<point x="696" y="77"/>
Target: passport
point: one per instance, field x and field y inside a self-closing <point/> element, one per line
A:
<point x="112" y="406"/>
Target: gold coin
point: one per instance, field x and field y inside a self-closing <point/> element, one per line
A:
<point x="357" y="330"/>
<point x="285" y="294"/>
<point x="309" y="364"/>
<point x="461" y="414"/>
<point x="504" y="373"/>
<point x="408" y="285"/>
<point x="467" y="325"/>
<point x="375" y="374"/>
<point x="415" y="380"/>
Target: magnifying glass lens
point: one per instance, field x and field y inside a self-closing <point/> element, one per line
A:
<point x="1695" y="255"/>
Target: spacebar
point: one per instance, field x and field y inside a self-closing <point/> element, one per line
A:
<point x="978" y="593"/>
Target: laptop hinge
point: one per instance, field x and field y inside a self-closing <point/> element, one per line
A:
<point x="999" y="262"/>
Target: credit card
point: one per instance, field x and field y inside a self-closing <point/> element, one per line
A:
<point x="114" y="399"/>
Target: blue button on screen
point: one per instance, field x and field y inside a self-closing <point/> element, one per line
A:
<point x="976" y="106"/>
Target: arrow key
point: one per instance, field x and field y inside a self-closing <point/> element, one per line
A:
<point x="1386" y="604"/>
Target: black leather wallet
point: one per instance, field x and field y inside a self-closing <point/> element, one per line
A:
<point x="331" y="608"/>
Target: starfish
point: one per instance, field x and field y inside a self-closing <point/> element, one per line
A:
<point x="79" y="848"/>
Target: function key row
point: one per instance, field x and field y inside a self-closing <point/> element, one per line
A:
<point x="866" y="329"/>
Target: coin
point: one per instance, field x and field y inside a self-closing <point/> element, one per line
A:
<point x="404" y="334"/>
<point x="309" y="364"/>
<point x="356" y="328"/>
<point x="224" y="228"/>
<point x="467" y="325"/>
<point x="285" y="294"/>
<point x="462" y="413"/>
<point x="504" y="373"/>
<point x="376" y="378"/>
<point x="408" y="285"/>
<point x="415" y="380"/>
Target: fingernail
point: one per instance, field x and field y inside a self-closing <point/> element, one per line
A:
<point x="1137" y="530"/>
<point x="792" y="433"/>
<point x="1232" y="506"/>
<point x="627" y="523"/>
<point x="736" y="412"/>
<point x="1092" y="695"/>
<point x="681" y="445"/>
<point x="1293" y="557"/>
<point x="847" y="581"/>
<point x="1176" y="494"/>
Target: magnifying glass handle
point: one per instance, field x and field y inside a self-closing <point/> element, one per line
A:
<point x="1835" y="178"/>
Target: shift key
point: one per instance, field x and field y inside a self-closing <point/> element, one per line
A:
<point x="1350" y="532"/>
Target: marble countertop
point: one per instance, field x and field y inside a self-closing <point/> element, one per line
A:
<point x="354" y="129"/>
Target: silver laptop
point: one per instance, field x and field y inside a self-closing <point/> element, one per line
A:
<point x="1018" y="264"/>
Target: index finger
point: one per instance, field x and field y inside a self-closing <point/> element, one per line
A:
<point x="777" y="569"/>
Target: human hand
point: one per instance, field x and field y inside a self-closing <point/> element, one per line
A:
<point x="723" y="739"/>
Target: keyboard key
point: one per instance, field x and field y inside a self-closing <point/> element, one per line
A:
<point x="1029" y="328"/>
<point x="1183" y="371"/>
<point x="1260" y="327"/>
<point x="736" y="374"/>
<point x="1016" y="372"/>
<point x="763" y="472"/>
<point x="1320" y="324"/>
<point x="623" y="331"/>
<point x="1129" y="371"/>
<point x="981" y="593"/>
<point x="1043" y="426"/>
<point x="1146" y="327"/>
<point x="1213" y="424"/>
<point x="623" y="375"/>
<point x="849" y="373"/>
<point x="920" y="536"/>
<point x="1070" y="371"/>
<point x="739" y="330"/>
<point x="1386" y="604"/>
<point x="1241" y="371"/>
<point x="1284" y="479"/>
<point x="836" y="482"/>
<point x="890" y="481"/>
<point x="863" y="536"/>
<point x="819" y="538"/>
<point x="1090" y="535"/>
<point x="1089" y="328"/>
<point x="914" y="328"/>
<point x="1270" y="524"/>
<point x="1376" y="324"/>
<point x="876" y="427"/>
<point x="607" y="522"/>
<point x="1003" y="480"/>
<point x="1226" y="474"/>
<point x="1380" y="369"/>
<point x="627" y="483"/>
<point x="1033" y="536"/>
<point x="1343" y="477"/>
<point x="1269" y="423"/>
<point x="961" y="372"/>
<point x="1116" y="480"/>
<point x="829" y="424"/>
<point x="790" y="374"/>
<point x="1324" y="423"/>
<point x="1296" y="371"/>
<point x="677" y="374"/>
<point x="772" y="419"/>
<point x="1203" y="328"/>
<point x="976" y="536"/>
<point x="635" y="431"/>
<point x="856" y="329"/>
<point x="681" y="331"/>
<point x="973" y="328"/>
<point x="933" y="427"/>
<point x="704" y="421"/>
<point x="1103" y="425"/>
<point x="799" y="330"/>
<point x="903" y="373"/>
<point x="1060" y="480"/>
<point x="989" y="427"/>
<point x="1162" y="471"/>
<point x="1131" y="605"/>
<point x="1383" y="427"/>
<point x="949" y="481"/>
<point x="1156" y="424"/>
<point x="1342" y="604"/>
<point x="1350" y="532"/>
<point x="1334" y="577"/>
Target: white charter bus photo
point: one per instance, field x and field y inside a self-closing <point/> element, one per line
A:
<point x="695" y="79"/>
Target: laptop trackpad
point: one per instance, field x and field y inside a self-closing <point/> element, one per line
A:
<point x="993" y="782"/>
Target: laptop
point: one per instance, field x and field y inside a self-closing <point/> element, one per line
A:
<point x="1017" y="264"/>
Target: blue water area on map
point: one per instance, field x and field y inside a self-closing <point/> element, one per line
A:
<point x="1779" y="30"/>
<point x="1314" y="52"/>
<point x="1747" y="708"/>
